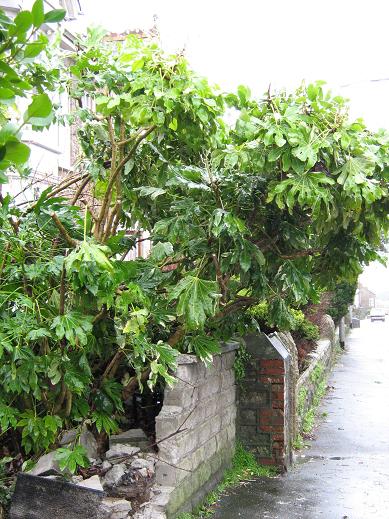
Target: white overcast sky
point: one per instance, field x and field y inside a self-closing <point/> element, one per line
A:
<point x="282" y="42"/>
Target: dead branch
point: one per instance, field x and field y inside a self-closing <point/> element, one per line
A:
<point x="301" y="254"/>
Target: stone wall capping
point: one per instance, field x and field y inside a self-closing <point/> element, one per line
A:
<point x="229" y="346"/>
<point x="187" y="358"/>
<point x="168" y="411"/>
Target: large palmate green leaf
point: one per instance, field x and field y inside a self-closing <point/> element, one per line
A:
<point x="304" y="190"/>
<point x="204" y="346"/>
<point x="73" y="326"/>
<point x="354" y="171"/>
<point x="161" y="250"/>
<point x="89" y="252"/>
<point x="197" y="300"/>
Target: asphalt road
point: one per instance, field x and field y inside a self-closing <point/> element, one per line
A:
<point x="345" y="472"/>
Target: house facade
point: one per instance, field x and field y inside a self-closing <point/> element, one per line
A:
<point x="52" y="150"/>
<point x="364" y="297"/>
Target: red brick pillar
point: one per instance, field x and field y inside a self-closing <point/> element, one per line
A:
<point x="264" y="421"/>
<point x="271" y="417"/>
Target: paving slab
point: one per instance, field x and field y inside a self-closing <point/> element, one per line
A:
<point x="345" y="472"/>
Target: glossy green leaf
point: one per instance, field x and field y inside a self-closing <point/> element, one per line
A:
<point x="37" y="12"/>
<point x="8" y="70"/>
<point x="74" y="327"/>
<point x="152" y="192"/>
<point x="39" y="112"/>
<point x="161" y="250"/>
<point x="55" y="16"/>
<point x="173" y="125"/>
<point x="244" y="93"/>
<point x="23" y="21"/>
<point x="204" y="346"/>
<point x="6" y="94"/>
<point x="34" y="49"/>
<point x="17" y="153"/>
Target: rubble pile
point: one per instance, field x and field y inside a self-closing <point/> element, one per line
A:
<point x="125" y="474"/>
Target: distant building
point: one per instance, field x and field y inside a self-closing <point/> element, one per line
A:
<point x="364" y="297"/>
<point x="54" y="151"/>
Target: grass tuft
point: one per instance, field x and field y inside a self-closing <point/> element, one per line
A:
<point x="244" y="466"/>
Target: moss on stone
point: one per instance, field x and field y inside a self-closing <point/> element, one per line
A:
<point x="244" y="466"/>
<point x="301" y="400"/>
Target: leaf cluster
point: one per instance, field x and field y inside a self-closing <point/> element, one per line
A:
<point x="287" y="202"/>
<point x="21" y="42"/>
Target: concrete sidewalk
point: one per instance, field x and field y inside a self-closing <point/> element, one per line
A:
<point x="345" y="472"/>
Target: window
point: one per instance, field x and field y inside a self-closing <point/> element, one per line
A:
<point x="73" y="8"/>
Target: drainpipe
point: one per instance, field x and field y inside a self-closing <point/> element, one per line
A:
<point x="350" y="310"/>
<point x="342" y="334"/>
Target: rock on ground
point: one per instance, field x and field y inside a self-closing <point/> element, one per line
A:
<point x="134" y="437"/>
<point x="106" y="465"/>
<point x="141" y="463"/>
<point x="114" y="475"/>
<point x="121" y="451"/>
<point x="116" y="508"/>
<point x="86" y="439"/>
<point x="148" y="512"/>
<point x="46" y="465"/>
<point x="93" y="482"/>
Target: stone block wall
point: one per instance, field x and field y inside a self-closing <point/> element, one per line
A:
<point x="195" y="431"/>
<point x="310" y="381"/>
<point x="265" y="401"/>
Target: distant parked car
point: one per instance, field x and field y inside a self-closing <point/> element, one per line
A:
<point x="376" y="314"/>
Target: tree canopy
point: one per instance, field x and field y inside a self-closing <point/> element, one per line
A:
<point x="276" y="207"/>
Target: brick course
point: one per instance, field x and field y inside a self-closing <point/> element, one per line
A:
<point x="265" y="396"/>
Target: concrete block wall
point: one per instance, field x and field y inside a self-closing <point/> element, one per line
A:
<point x="195" y="431"/>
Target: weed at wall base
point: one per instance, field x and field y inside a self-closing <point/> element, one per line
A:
<point x="244" y="466"/>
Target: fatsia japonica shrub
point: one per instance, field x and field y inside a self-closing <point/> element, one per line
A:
<point x="287" y="201"/>
<point x="23" y="74"/>
<point x="341" y="298"/>
<point x="81" y="325"/>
